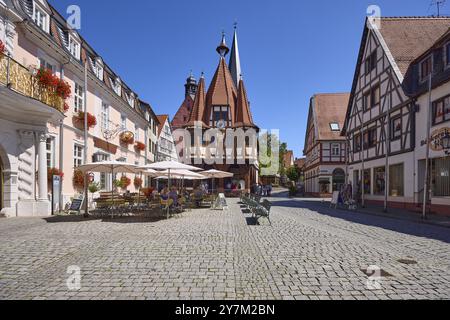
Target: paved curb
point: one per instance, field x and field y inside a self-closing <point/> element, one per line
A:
<point x="397" y="217"/>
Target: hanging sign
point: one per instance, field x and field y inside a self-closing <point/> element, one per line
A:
<point x="436" y="139"/>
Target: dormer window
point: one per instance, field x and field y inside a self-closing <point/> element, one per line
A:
<point x="40" y="17"/>
<point x="220" y="117"/>
<point x="426" y="68"/>
<point x="117" y="86"/>
<point x="74" y="47"/>
<point x="131" y="99"/>
<point x="97" y="67"/>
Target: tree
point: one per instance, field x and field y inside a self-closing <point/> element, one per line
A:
<point x="293" y="174"/>
<point x="283" y="151"/>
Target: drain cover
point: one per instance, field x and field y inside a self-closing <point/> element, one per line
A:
<point x="407" y="261"/>
<point x="382" y="273"/>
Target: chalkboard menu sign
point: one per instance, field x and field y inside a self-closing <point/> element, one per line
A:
<point x="76" y="205"/>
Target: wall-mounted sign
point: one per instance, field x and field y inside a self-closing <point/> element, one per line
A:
<point x="436" y="139"/>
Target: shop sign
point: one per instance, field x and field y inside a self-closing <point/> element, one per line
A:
<point x="436" y="139"/>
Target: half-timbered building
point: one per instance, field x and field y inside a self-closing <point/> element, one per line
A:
<point x="381" y="120"/>
<point x="325" y="148"/>
<point x="218" y="112"/>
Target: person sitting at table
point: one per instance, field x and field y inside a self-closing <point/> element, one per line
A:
<point x="173" y="194"/>
<point x="165" y="194"/>
<point x="198" y="196"/>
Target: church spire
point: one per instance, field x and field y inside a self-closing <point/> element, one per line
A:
<point x="235" y="60"/>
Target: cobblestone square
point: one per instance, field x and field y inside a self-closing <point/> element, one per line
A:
<point x="310" y="252"/>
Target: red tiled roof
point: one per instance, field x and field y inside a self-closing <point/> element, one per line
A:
<point x="243" y="115"/>
<point x="197" y="113"/>
<point x="183" y="113"/>
<point x="330" y="108"/>
<point x="162" y="121"/>
<point x="409" y="37"/>
<point x="222" y="91"/>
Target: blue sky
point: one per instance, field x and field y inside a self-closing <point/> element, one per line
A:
<point x="290" y="49"/>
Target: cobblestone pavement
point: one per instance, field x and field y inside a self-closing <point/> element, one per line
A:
<point x="309" y="252"/>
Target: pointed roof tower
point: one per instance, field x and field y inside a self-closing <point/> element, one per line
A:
<point x="243" y="114"/>
<point x="199" y="104"/>
<point x="235" y="60"/>
<point x="222" y="90"/>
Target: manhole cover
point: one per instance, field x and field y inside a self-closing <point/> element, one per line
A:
<point x="382" y="273"/>
<point x="407" y="261"/>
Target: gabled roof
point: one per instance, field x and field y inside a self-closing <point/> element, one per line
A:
<point x="329" y="108"/>
<point x="404" y="39"/>
<point x="183" y="113"/>
<point x="409" y="37"/>
<point x="162" y="121"/>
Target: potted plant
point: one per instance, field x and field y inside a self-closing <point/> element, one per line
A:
<point x="140" y="146"/>
<point x="94" y="187"/>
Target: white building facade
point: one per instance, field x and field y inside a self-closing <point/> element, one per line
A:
<point x="42" y="125"/>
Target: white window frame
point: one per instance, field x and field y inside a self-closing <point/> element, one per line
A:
<point x="123" y="122"/>
<point x="332" y="124"/>
<point x="335" y="147"/>
<point x="105" y="116"/>
<point x="44" y="63"/>
<point x="50" y="152"/>
<point x="78" y="97"/>
<point x="39" y="12"/>
<point x="74" y="47"/>
<point x="423" y="79"/>
<point x="78" y="157"/>
<point x="137" y="134"/>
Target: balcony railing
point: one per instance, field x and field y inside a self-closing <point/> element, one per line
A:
<point x="20" y="79"/>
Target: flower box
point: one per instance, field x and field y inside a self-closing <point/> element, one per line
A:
<point x="91" y="119"/>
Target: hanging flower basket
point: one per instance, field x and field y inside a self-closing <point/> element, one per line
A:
<point x="78" y="179"/>
<point x="137" y="182"/>
<point x="123" y="183"/>
<point x="91" y="119"/>
<point x="127" y="138"/>
<point x="140" y="146"/>
<point x="66" y="107"/>
<point x="54" y="172"/>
